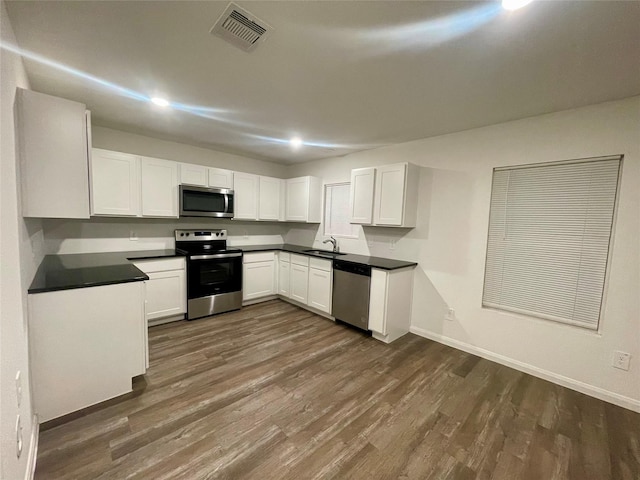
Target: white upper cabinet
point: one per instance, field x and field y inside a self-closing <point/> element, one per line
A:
<point x="115" y="183"/>
<point x="396" y="195"/>
<point x="159" y="187"/>
<point x="53" y="147"/>
<point x="269" y="194"/>
<point x="245" y="198"/>
<point x="193" y="175"/>
<point x="220" y="178"/>
<point x="304" y="200"/>
<point x="361" y="199"/>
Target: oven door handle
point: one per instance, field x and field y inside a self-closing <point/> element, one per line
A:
<point x="218" y="255"/>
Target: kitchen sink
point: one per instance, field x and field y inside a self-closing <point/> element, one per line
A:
<point x="328" y="253"/>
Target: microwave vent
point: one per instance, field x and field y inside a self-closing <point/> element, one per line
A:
<point x="240" y="28"/>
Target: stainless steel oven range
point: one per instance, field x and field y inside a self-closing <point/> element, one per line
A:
<point x="214" y="272"/>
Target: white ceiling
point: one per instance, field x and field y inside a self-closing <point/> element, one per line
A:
<point x="344" y="75"/>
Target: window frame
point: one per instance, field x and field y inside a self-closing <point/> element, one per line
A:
<point x="354" y="227"/>
<point x="605" y="281"/>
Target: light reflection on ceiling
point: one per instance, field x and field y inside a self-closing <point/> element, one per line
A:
<point x="380" y="41"/>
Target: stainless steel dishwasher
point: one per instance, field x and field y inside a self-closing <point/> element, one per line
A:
<point x="351" y="284"/>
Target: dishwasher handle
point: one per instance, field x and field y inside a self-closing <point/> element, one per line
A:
<point x="355" y="268"/>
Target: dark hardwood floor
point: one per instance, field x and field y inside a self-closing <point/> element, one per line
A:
<point x="275" y="392"/>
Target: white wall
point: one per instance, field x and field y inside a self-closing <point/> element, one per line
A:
<point x="117" y="140"/>
<point x="21" y="247"/>
<point x="114" y="234"/>
<point x="450" y="243"/>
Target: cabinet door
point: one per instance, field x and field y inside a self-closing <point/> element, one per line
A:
<point x="284" y="271"/>
<point x="361" y="198"/>
<point x="378" y="302"/>
<point x="166" y="294"/>
<point x="159" y="188"/>
<point x="115" y="183"/>
<point x="246" y="196"/>
<point x="320" y="290"/>
<point x="193" y="175"/>
<point x="258" y="280"/>
<point x="52" y="144"/>
<point x="269" y="204"/>
<point x="389" y="197"/>
<point x="220" y="178"/>
<point x="299" y="281"/>
<point x="297" y="199"/>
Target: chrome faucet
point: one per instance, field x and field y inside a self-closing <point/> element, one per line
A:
<point x="334" y="242"/>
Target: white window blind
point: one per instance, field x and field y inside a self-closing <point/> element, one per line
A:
<point x="549" y="233"/>
<point x="336" y="211"/>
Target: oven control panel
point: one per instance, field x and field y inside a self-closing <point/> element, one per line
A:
<point x="200" y="235"/>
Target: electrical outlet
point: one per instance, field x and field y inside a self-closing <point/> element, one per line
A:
<point x="621" y="360"/>
<point x="18" y="388"/>
<point x="370" y="243"/>
<point x="133" y="236"/>
<point x="451" y="314"/>
<point x="392" y="244"/>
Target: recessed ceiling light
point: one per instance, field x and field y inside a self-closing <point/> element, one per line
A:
<point x="295" y="142"/>
<point x="514" y="4"/>
<point x="161" y="102"/>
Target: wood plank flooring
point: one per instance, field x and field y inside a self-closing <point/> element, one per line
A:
<point x="275" y="392"/>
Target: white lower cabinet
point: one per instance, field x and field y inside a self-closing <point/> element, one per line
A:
<point x="320" y="284"/>
<point x="299" y="278"/>
<point x="306" y="280"/>
<point x="284" y="273"/>
<point x="166" y="289"/>
<point x="390" y="303"/>
<point x="258" y="275"/>
<point x="85" y="344"/>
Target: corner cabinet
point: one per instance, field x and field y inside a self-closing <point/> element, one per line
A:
<point x="270" y="193"/>
<point x="115" y="184"/>
<point x="53" y="147"/>
<point x="385" y="196"/>
<point x="304" y="200"/>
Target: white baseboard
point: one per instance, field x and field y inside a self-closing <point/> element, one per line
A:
<point x="597" y="392"/>
<point x="33" y="449"/>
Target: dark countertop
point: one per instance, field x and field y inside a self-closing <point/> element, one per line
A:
<point x="81" y="270"/>
<point x="375" y="262"/>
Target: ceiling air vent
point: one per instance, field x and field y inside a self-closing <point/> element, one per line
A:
<point x="240" y="28"/>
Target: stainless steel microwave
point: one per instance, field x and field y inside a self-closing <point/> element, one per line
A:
<point x="206" y="202"/>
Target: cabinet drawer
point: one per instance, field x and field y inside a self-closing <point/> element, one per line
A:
<point x="284" y="256"/>
<point x="320" y="264"/>
<point x="300" y="260"/>
<point x="163" y="265"/>
<point x="258" y="257"/>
